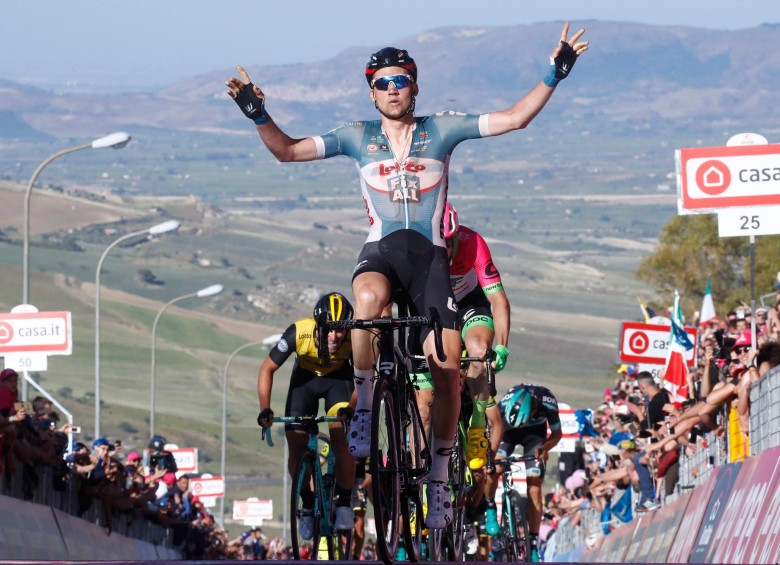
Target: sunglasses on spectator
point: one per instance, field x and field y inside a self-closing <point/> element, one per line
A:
<point x="741" y="350"/>
<point x="400" y="81"/>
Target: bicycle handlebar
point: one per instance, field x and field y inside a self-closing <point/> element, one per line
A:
<point x="433" y="321"/>
<point x="310" y="421"/>
<point x="517" y="459"/>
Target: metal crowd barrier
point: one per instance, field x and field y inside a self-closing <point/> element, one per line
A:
<point x="765" y="412"/>
<point x="65" y="497"/>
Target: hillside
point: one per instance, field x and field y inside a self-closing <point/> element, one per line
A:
<point x="633" y="73"/>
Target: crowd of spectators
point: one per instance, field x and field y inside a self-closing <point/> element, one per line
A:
<point x="627" y="461"/>
<point x="628" y="458"/>
<point x="142" y="486"/>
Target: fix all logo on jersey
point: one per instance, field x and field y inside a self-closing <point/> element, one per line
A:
<point x="404" y="188"/>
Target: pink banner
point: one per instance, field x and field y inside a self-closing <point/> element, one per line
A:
<point x="750" y="528"/>
<point x="638" y="538"/>
<point x="615" y="544"/>
<point x="689" y="526"/>
<point x="668" y="521"/>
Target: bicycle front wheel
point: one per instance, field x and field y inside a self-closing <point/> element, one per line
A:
<point x="305" y="509"/>
<point x="417" y="463"/>
<point x="384" y="464"/>
<point x="521" y="541"/>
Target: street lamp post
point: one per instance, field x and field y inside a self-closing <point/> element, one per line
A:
<point x="202" y="293"/>
<point x="224" y="417"/>
<point x="115" y="140"/>
<point x="164" y="227"/>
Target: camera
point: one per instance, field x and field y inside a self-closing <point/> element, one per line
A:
<point x="634" y="399"/>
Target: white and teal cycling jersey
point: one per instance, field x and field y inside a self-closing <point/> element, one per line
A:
<point x="409" y="195"/>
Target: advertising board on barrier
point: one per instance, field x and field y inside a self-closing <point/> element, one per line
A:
<point x="635" y="543"/>
<point x="683" y="542"/>
<point x="615" y="545"/>
<point x="668" y="521"/>
<point x="715" y="510"/>
<point x="744" y="515"/>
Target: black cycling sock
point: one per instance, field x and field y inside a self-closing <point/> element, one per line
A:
<point x="343" y="496"/>
<point x="534" y="539"/>
<point x="307" y="497"/>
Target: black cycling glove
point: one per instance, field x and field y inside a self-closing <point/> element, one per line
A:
<point x="560" y="67"/>
<point x="251" y="104"/>
<point x="265" y="416"/>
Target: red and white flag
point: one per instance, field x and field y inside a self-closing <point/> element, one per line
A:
<point x="676" y="372"/>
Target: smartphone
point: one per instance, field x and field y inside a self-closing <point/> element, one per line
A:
<point x="740" y="313"/>
<point x="75" y="429"/>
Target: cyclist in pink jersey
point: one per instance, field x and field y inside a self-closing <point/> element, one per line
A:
<point x="483" y="315"/>
<point x="403" y="163"/>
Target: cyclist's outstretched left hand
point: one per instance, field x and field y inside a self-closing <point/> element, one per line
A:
<point x="564" y="55"/>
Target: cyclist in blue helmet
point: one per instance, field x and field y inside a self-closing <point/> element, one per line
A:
<point x="526" y="411"/>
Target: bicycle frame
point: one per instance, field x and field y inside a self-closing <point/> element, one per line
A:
<point x="400" y="463"/>
<point x="517" y="545"/>
<point x="322" y="485"/>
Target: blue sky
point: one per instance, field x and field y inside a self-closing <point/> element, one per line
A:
<point x="135" y="44"/>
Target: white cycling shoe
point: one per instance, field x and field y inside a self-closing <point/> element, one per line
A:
<point x="360" y="434"/>
<point x="439" y="505"/>
<point x="345" y="518"/>
<point x="306" y="524"/>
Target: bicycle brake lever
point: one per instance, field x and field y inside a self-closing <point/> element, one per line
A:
<point x="267" y="437"/>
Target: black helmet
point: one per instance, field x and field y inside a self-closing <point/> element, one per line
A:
<point x="333" y="305"/>
<point x="390" y="57"/>
<point x="157" y="443"/>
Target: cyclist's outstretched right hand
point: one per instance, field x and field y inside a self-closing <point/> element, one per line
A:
<point x="265" y="418"/>
<point x="248" y="96"/>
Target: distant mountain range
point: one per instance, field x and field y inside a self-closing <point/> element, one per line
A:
<point x="633" y="73"/>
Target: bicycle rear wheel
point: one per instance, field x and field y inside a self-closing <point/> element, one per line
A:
<point x="386" y="483"/>
<point x="302" y="488"/>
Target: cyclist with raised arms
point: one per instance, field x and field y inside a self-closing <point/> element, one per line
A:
<point x="526" y="411"/>
<point x="311" y="381"/>
<point x="403" y="162"/>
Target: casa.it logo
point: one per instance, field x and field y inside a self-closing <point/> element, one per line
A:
<point x="713" y="177"/>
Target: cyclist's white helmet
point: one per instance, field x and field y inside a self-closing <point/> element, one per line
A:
<point x="450" y="221"/>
